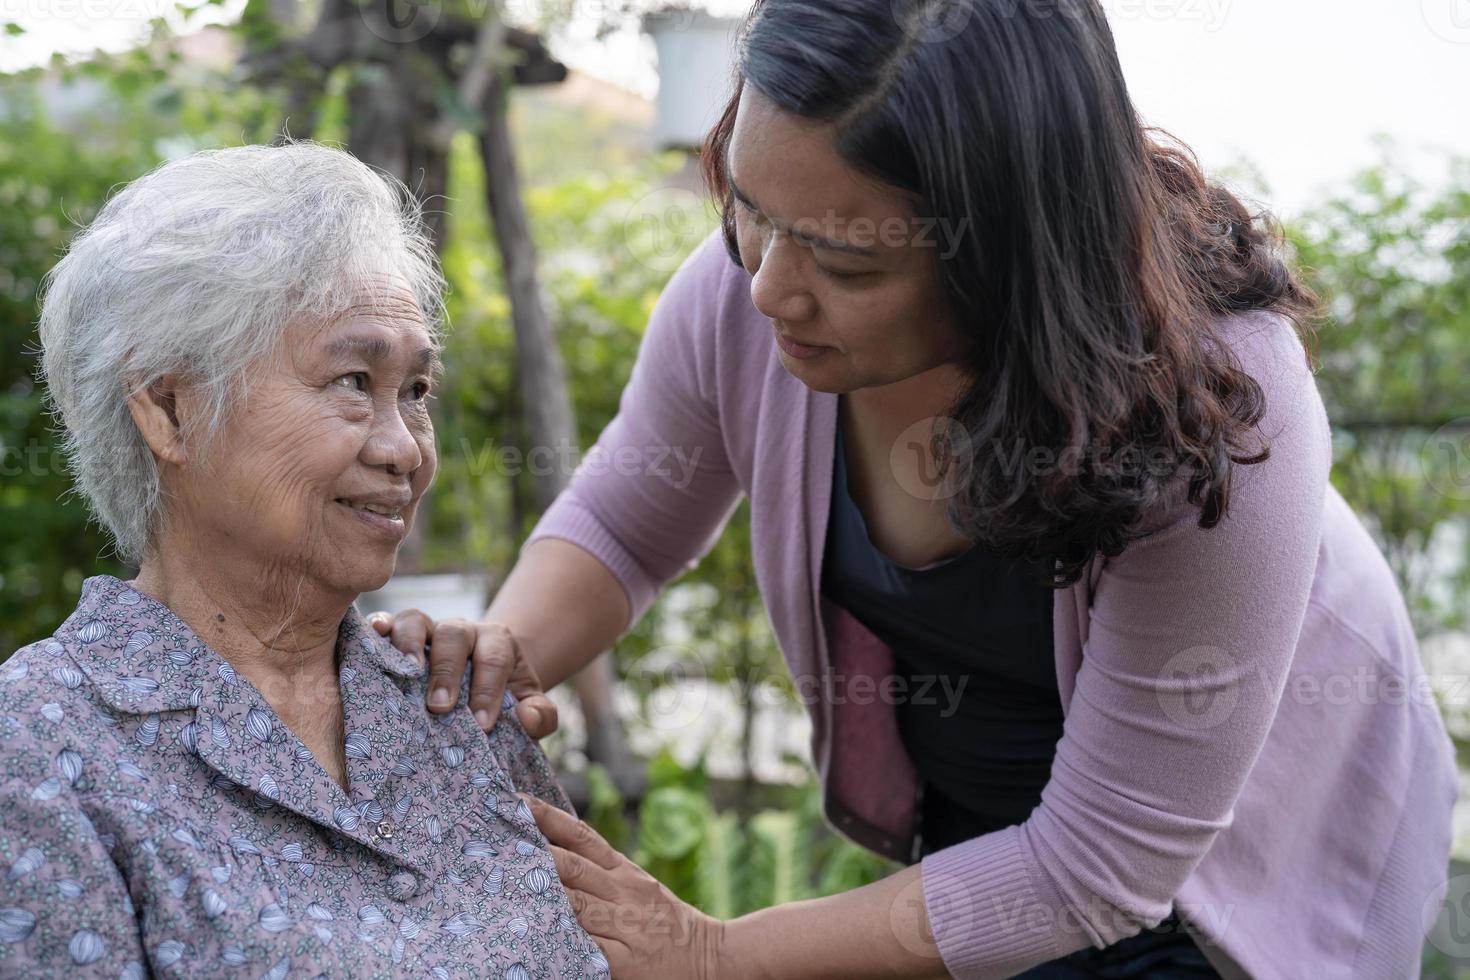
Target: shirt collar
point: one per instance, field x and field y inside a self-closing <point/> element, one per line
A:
<point x="142" y="658"/>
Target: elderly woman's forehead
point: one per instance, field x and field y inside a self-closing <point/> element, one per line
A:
<point x="384" y="297"/>
<point x="376" y="322"/>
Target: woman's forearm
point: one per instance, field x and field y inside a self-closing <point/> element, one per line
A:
<point x="563" y="606"/>
<point x="878" y="930"/>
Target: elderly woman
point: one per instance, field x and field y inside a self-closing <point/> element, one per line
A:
<point x="218" y="767"/>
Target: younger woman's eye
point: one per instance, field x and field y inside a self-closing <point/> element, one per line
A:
<point x="357" y="381"/>
<point x="840" y="276"/>
<point x="750" y="210"/>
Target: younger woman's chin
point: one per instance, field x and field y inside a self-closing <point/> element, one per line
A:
<point x="817" y="379"/>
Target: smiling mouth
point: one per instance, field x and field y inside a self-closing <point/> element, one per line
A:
<point x="382" y="510"/>
<point x="385" y="520"/>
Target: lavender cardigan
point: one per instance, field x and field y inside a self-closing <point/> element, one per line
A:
<point x="1249" y="737"/>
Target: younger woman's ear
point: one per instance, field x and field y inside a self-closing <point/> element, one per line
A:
<point x="155" y="413"/>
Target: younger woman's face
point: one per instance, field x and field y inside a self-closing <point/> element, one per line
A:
<point x="838" y="260"/>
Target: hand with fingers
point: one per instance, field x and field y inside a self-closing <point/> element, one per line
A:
<point x="494" y="658"/>
<point x="642" y="928"/>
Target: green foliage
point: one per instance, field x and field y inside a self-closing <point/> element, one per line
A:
<point x="112" y="119"/>
<point x="728" y="863"/>
<point x="50" y="182"/>
<point x="1392" y="260"/>
<point x="604" y="808"/>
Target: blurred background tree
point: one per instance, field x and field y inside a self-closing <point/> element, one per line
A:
<point x="1392" y="261"/>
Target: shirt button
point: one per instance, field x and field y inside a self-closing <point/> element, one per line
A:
<point x="383" y="831"/>
<point x="402" y="886"/>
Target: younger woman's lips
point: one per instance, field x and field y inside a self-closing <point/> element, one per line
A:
<point x="802" y="351"/>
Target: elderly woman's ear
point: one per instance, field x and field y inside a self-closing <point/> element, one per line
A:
<point x="155" y="411"/>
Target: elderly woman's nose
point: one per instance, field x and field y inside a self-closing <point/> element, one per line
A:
<point x="393" y="444"/>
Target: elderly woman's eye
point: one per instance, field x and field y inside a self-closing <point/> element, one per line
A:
<point x="357" y="381"/>
<point x="420" y="391"/>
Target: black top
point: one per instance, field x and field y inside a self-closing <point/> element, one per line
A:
<point x="979" y="709"/>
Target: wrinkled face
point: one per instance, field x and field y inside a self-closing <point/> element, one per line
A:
<point x="839" y="261"/>
<point x="318" y="473"/>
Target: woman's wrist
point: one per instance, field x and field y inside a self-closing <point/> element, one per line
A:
<point x="879" y="930"/>
<point x="735" y="948"/>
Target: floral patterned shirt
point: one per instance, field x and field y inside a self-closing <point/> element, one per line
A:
<point x="157" y="817"/>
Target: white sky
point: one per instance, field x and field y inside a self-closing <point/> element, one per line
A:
<point x="1299" y="88"/>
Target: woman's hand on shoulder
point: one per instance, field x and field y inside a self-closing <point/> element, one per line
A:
<point x="447" y="646"/>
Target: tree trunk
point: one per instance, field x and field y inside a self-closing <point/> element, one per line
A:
<point x="545" y="399"/>
<point x="390" y="129"/>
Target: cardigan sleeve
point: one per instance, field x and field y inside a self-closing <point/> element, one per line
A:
<point x="1187" y="651"/>
<point x="656" y="490"/>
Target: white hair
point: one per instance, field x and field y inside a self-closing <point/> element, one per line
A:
<point x="194" y="270"/>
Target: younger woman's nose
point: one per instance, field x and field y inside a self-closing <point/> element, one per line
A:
<point x="778" y="287"/>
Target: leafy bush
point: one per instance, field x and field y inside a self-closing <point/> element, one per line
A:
<point x="723" y="861"/>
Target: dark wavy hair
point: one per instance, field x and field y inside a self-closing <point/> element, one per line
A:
<point x="1097" y="258"/>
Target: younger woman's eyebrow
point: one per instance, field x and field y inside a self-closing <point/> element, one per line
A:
<point x="828" y="243"/>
